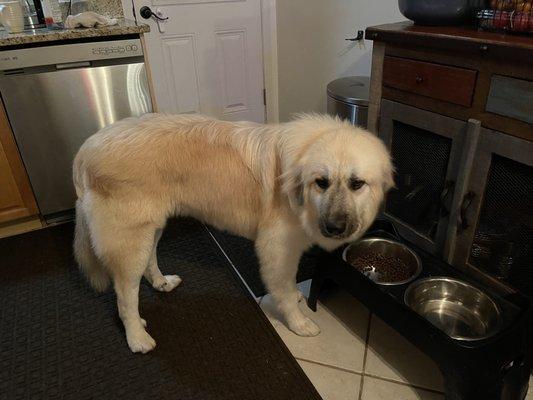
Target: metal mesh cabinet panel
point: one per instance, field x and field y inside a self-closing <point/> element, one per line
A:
<point x="503" y="238"/>
<point x="421" y="160"/>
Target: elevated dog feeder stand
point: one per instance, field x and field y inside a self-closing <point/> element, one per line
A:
<point x="496" y="368"/>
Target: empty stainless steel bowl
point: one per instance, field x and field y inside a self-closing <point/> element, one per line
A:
<point x="462" y="311"/>
<point x="388" y="248"/>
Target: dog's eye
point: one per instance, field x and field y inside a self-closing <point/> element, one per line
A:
<point x="322" y="183"/>
<point x="356" y="184"/>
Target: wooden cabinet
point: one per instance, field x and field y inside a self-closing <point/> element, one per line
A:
<point x="16" y="197"/>
<point x="454" y="105"/>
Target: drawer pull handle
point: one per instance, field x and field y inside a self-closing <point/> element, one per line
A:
<point x="448" y="189"/>
<point x="419" y="80"/>
<point x="465" y="205"/>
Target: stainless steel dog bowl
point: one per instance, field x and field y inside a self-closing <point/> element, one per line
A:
<point x="455" y="307"/>
<point x="387" y="248"/>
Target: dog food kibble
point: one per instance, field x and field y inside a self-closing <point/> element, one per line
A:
<point x="381" y="268"/>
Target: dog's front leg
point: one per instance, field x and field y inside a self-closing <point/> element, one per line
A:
<point x="279" y="248"/>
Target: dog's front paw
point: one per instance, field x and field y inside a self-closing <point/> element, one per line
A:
<point x="166" y="283"/>
<point x="303" y="326"/>
<point x="140" y="342"/>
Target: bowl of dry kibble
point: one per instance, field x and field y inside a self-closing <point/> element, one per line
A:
<point x="384" y="261"/>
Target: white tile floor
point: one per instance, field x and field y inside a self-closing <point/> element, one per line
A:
<point x="357" y="356"/>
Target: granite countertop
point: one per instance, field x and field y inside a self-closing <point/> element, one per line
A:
<point x="124" y="27"/>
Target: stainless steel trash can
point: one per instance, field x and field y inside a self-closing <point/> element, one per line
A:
<point x="348" y="98"/>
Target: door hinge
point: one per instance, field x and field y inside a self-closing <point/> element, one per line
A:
<point x="264" y="97"/>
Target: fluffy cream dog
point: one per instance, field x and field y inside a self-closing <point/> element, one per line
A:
<point x="315" y="180"/>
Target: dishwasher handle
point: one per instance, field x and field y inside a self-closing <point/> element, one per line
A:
<point x="71" y="65"/>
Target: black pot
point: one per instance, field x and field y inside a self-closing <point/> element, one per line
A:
<point x="440" y="12"/>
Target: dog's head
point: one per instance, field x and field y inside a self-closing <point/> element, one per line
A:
<point x="336" y="179"/>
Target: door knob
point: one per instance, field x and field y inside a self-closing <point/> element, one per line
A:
<point x="147" y="13"/>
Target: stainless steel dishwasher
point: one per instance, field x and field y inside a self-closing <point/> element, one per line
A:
<point x="57" y="96"/>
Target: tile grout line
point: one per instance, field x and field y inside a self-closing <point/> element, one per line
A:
<point x="329" y="366"/>
<point x="231" y="262"/>
<point x="367" y="339"/>
<point x="364" y="374"/>
<point x="360" y="374"/>
<point x="361" y="384"/>
<point x="403" y="383"/>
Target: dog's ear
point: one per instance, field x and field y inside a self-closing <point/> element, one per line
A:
<point x="293" y="186"/>
<point x="299" y="193"/>
<point x="388" y="181"/>
<point x="388" y="176"/>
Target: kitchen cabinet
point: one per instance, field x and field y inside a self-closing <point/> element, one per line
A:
<point x="455" y="107"/>
<point x="16" y="197"/>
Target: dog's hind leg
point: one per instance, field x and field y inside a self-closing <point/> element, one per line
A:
<point x="126" y="252"/>
<point x="279" y="249"/>
<point x="163" y="283"/>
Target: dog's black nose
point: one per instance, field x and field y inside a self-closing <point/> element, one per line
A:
<point x="336" y="227"/>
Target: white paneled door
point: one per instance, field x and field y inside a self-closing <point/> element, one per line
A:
<point x="206" y="57"/>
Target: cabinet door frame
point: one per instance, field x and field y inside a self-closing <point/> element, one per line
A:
<point x="28" y="205"/>
<point x="437" y="124"/>
<point x="490" y="143"/>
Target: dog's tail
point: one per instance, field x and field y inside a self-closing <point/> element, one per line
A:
<point x="87" y="259"/>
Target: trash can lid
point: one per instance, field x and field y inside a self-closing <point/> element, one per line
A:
<point x="352" y="90"/>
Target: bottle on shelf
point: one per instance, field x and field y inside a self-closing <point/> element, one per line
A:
<point x="52" y="14"/>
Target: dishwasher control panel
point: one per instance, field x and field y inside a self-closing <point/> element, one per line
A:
<point x="121" y="49"/>
<point x="69" y="53"/>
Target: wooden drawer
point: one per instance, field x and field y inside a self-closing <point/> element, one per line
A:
<point x="440" y="82"/>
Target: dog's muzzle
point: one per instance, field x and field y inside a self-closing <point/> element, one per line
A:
<point x="337" y="227"/>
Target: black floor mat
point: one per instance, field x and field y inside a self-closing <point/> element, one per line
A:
<point x="61" y="340"/>
<point x="241" y="252"/>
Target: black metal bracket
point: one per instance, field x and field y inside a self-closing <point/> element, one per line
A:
<point x="360" y="36"/>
